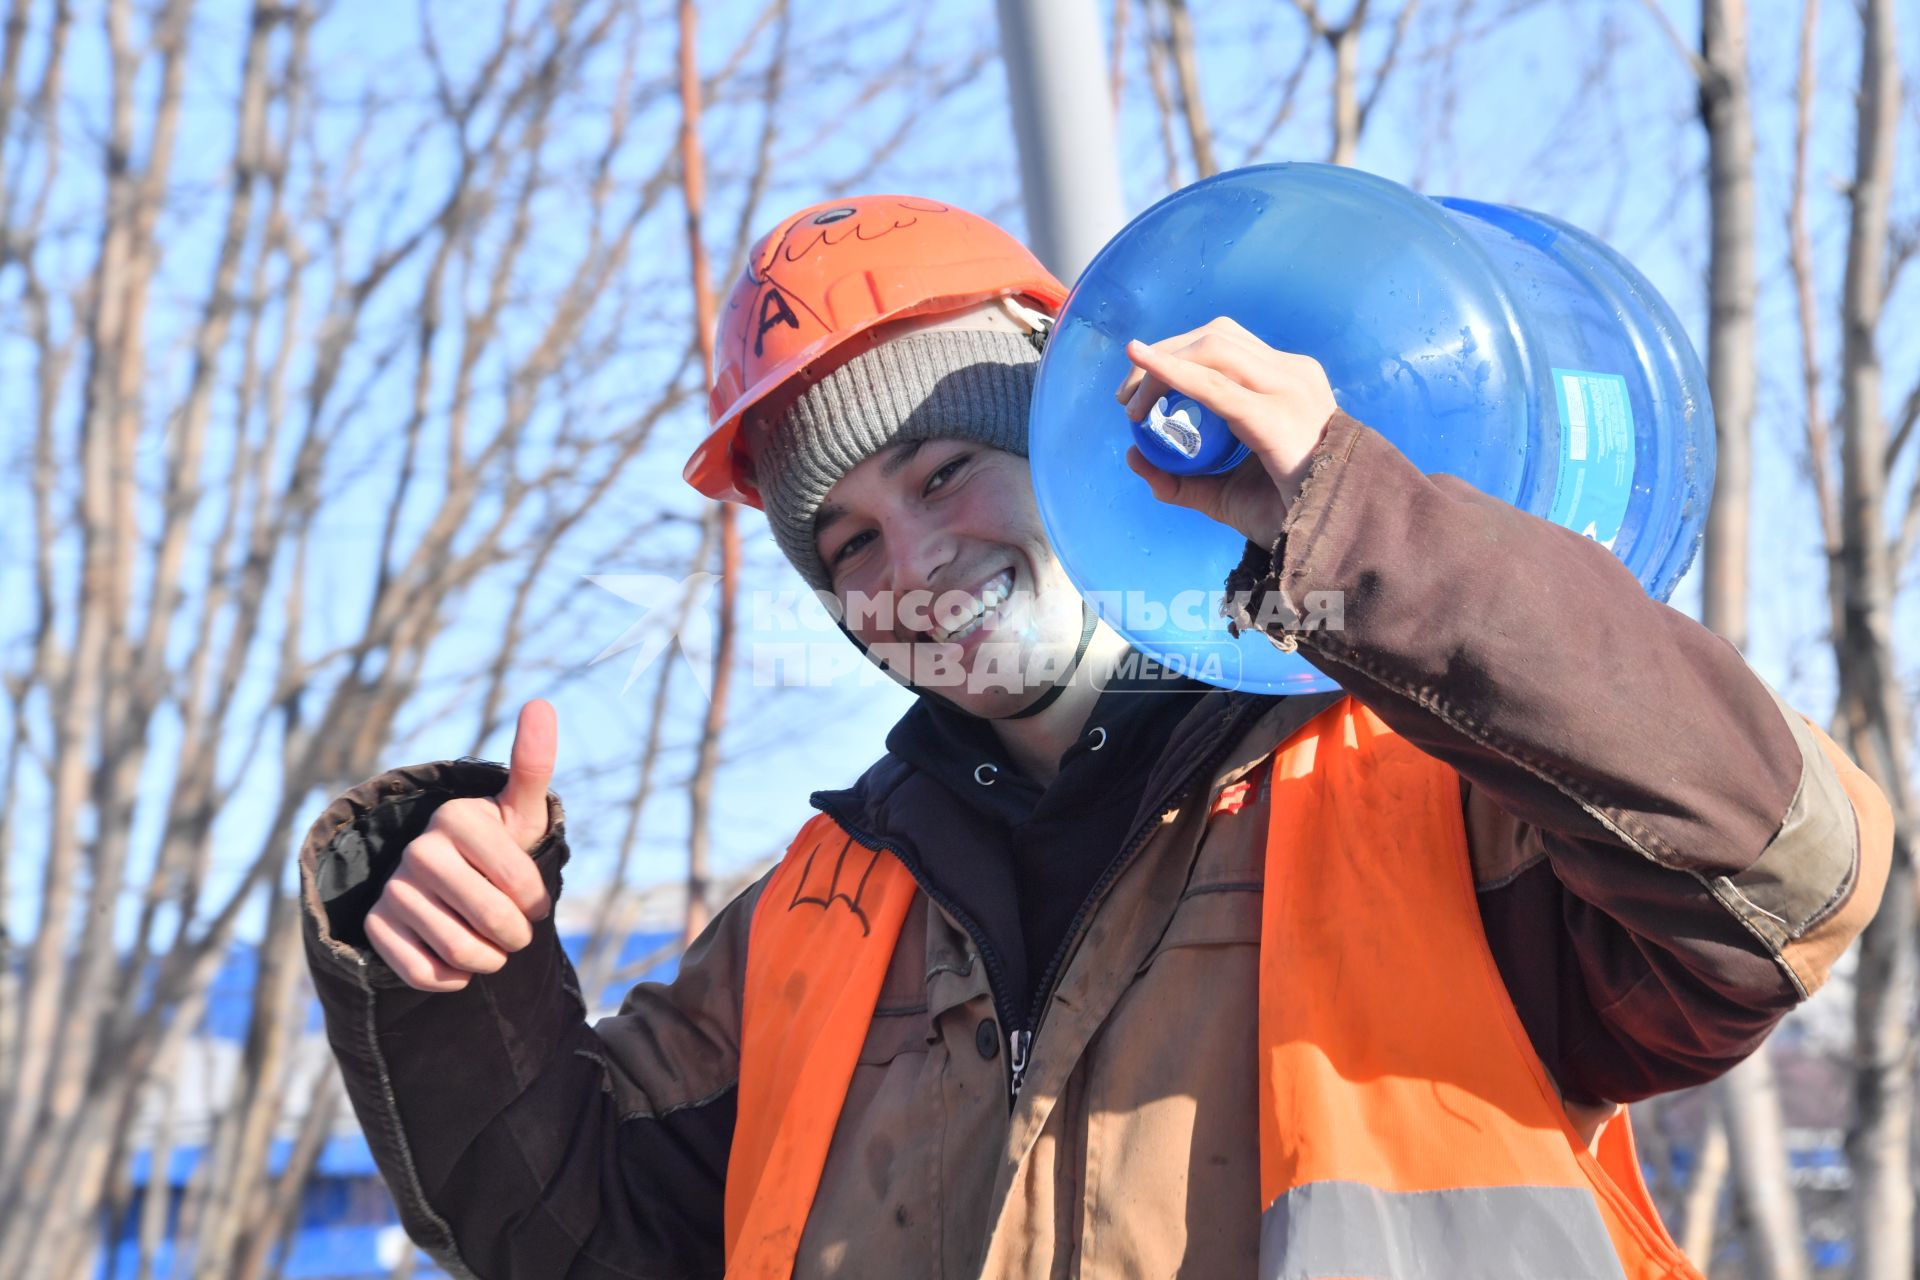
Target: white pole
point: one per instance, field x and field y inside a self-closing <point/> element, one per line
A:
<point x="1063" y="121"/>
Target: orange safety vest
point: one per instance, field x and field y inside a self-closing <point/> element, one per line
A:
<point x="1407" y="1128"/>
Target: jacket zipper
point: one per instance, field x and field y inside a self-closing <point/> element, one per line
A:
<point x="1020" y="1038"/>
<point x="1043" y="994"/>
<point x="1018" y="1043"/>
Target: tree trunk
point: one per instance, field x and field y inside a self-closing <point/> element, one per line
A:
<point x="1747" y="1097"/>
<point x="1701" y="1216"/>
<point x="1346" y="89"/>
<point x="1872" y="702"/>
<point x="1186" y="72"/>
<point x="1727" y="115"/>
<point x="700" y="789"/>
<point x="1757" y="1144"/>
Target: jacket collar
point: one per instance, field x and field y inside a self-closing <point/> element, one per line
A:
<point x="1254" y="723"/>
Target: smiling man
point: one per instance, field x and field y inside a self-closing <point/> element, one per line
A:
<point x="1097" y="972"/>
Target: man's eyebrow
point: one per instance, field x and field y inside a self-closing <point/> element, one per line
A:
<point x="900" y="457"/>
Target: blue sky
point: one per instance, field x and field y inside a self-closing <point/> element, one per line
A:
<point x="1582" y="110"/>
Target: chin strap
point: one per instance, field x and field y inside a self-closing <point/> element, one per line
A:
<point x="1089" y="620"/>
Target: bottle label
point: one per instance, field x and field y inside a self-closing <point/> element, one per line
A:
<point x="1596" y="453"/>
<point x="1176" y="426"/>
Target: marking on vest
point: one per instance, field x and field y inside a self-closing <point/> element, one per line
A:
<point x="833" y="892"/>
<point x="773" y="310"/>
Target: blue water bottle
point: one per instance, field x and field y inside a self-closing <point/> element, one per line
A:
<point x="1498" y="345"/>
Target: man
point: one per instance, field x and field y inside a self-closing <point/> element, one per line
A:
<point x="1086" y="979"/>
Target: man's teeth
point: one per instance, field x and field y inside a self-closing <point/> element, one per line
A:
<point x="990" y="596"/>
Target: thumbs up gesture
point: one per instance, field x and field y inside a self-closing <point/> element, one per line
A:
<point x="466" y="892"/>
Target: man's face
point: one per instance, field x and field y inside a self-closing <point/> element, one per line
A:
<point x="940" y="561"/>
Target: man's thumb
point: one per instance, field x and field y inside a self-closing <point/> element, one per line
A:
<point x="1180" y="491"/>
<point x="523" y="801"/>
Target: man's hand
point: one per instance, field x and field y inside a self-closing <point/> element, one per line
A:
<point x="465" y="892"/>
<point x="1275" y="403"/>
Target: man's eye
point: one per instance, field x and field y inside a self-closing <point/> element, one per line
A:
<point x="945" y="471"/>
<point x="857" y="540"/>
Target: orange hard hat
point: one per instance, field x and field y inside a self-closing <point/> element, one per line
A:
<point x="817" y="286"/>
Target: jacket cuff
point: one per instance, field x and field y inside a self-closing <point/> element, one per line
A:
<point x="1821" y="877"/>
<point x="1256" y="595"/>
<point x="354" y="847"/>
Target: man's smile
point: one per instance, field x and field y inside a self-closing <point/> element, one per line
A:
<point x="965" y="616"/>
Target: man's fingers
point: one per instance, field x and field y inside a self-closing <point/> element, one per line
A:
<point x="1139" y="389"/>
<point x="410" y="957"/>
<point x="1196" y="492"/>
<point x="1234" y="329"/>
<point x="1246" y="362"/>
<point x="1218" y="391"/>
<point x="491" y="849"/>
<point x="1163" y="484"/>
<point x="459" y="868"/>
<point x="523" y="801"/>
<point x="1214" y="351"/>
<point x="1146" y="390"/>
<point x="441" y="927"/>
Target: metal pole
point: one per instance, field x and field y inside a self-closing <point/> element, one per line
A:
<point x="1063" y="122"/>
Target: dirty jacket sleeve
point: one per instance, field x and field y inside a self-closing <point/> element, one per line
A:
<point x="518" y="1140"/>
<point x="1666" y="854"/>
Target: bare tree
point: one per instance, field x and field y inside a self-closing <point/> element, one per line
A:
<point x="318" y="384"/>
<point x="312" y="393"/>
<point x="1186" y="70"/>
<point x="1157" y="59"/>
<point x="1748" y="1097"/>
<point x="1349" y="108"/>
<point x="719" y="516"/>
<point x="1864" y="556"/>
<point x="1352" y="92"/>
<point x="1731" y="290"/>
<point x="1873" y="706"/>
<point x="1701" y="1205"/>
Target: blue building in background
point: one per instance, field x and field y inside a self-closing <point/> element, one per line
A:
<point x="348" y="1227"/>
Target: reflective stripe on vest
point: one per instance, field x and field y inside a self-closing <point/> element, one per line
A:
<point x="1489" y="1233"/>
<point x="1407" y="1129"/>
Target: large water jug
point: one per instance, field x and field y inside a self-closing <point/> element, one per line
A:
<point x="1496" y="344"/>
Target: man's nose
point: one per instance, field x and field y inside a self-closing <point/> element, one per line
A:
<point x="922" y="552"/>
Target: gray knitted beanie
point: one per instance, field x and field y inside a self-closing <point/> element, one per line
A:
<point x="968" y="384"/>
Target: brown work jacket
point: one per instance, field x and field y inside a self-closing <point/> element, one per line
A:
<point x="1665" y="857"/>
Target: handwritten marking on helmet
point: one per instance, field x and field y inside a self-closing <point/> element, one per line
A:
<point x="773" y="310"/>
